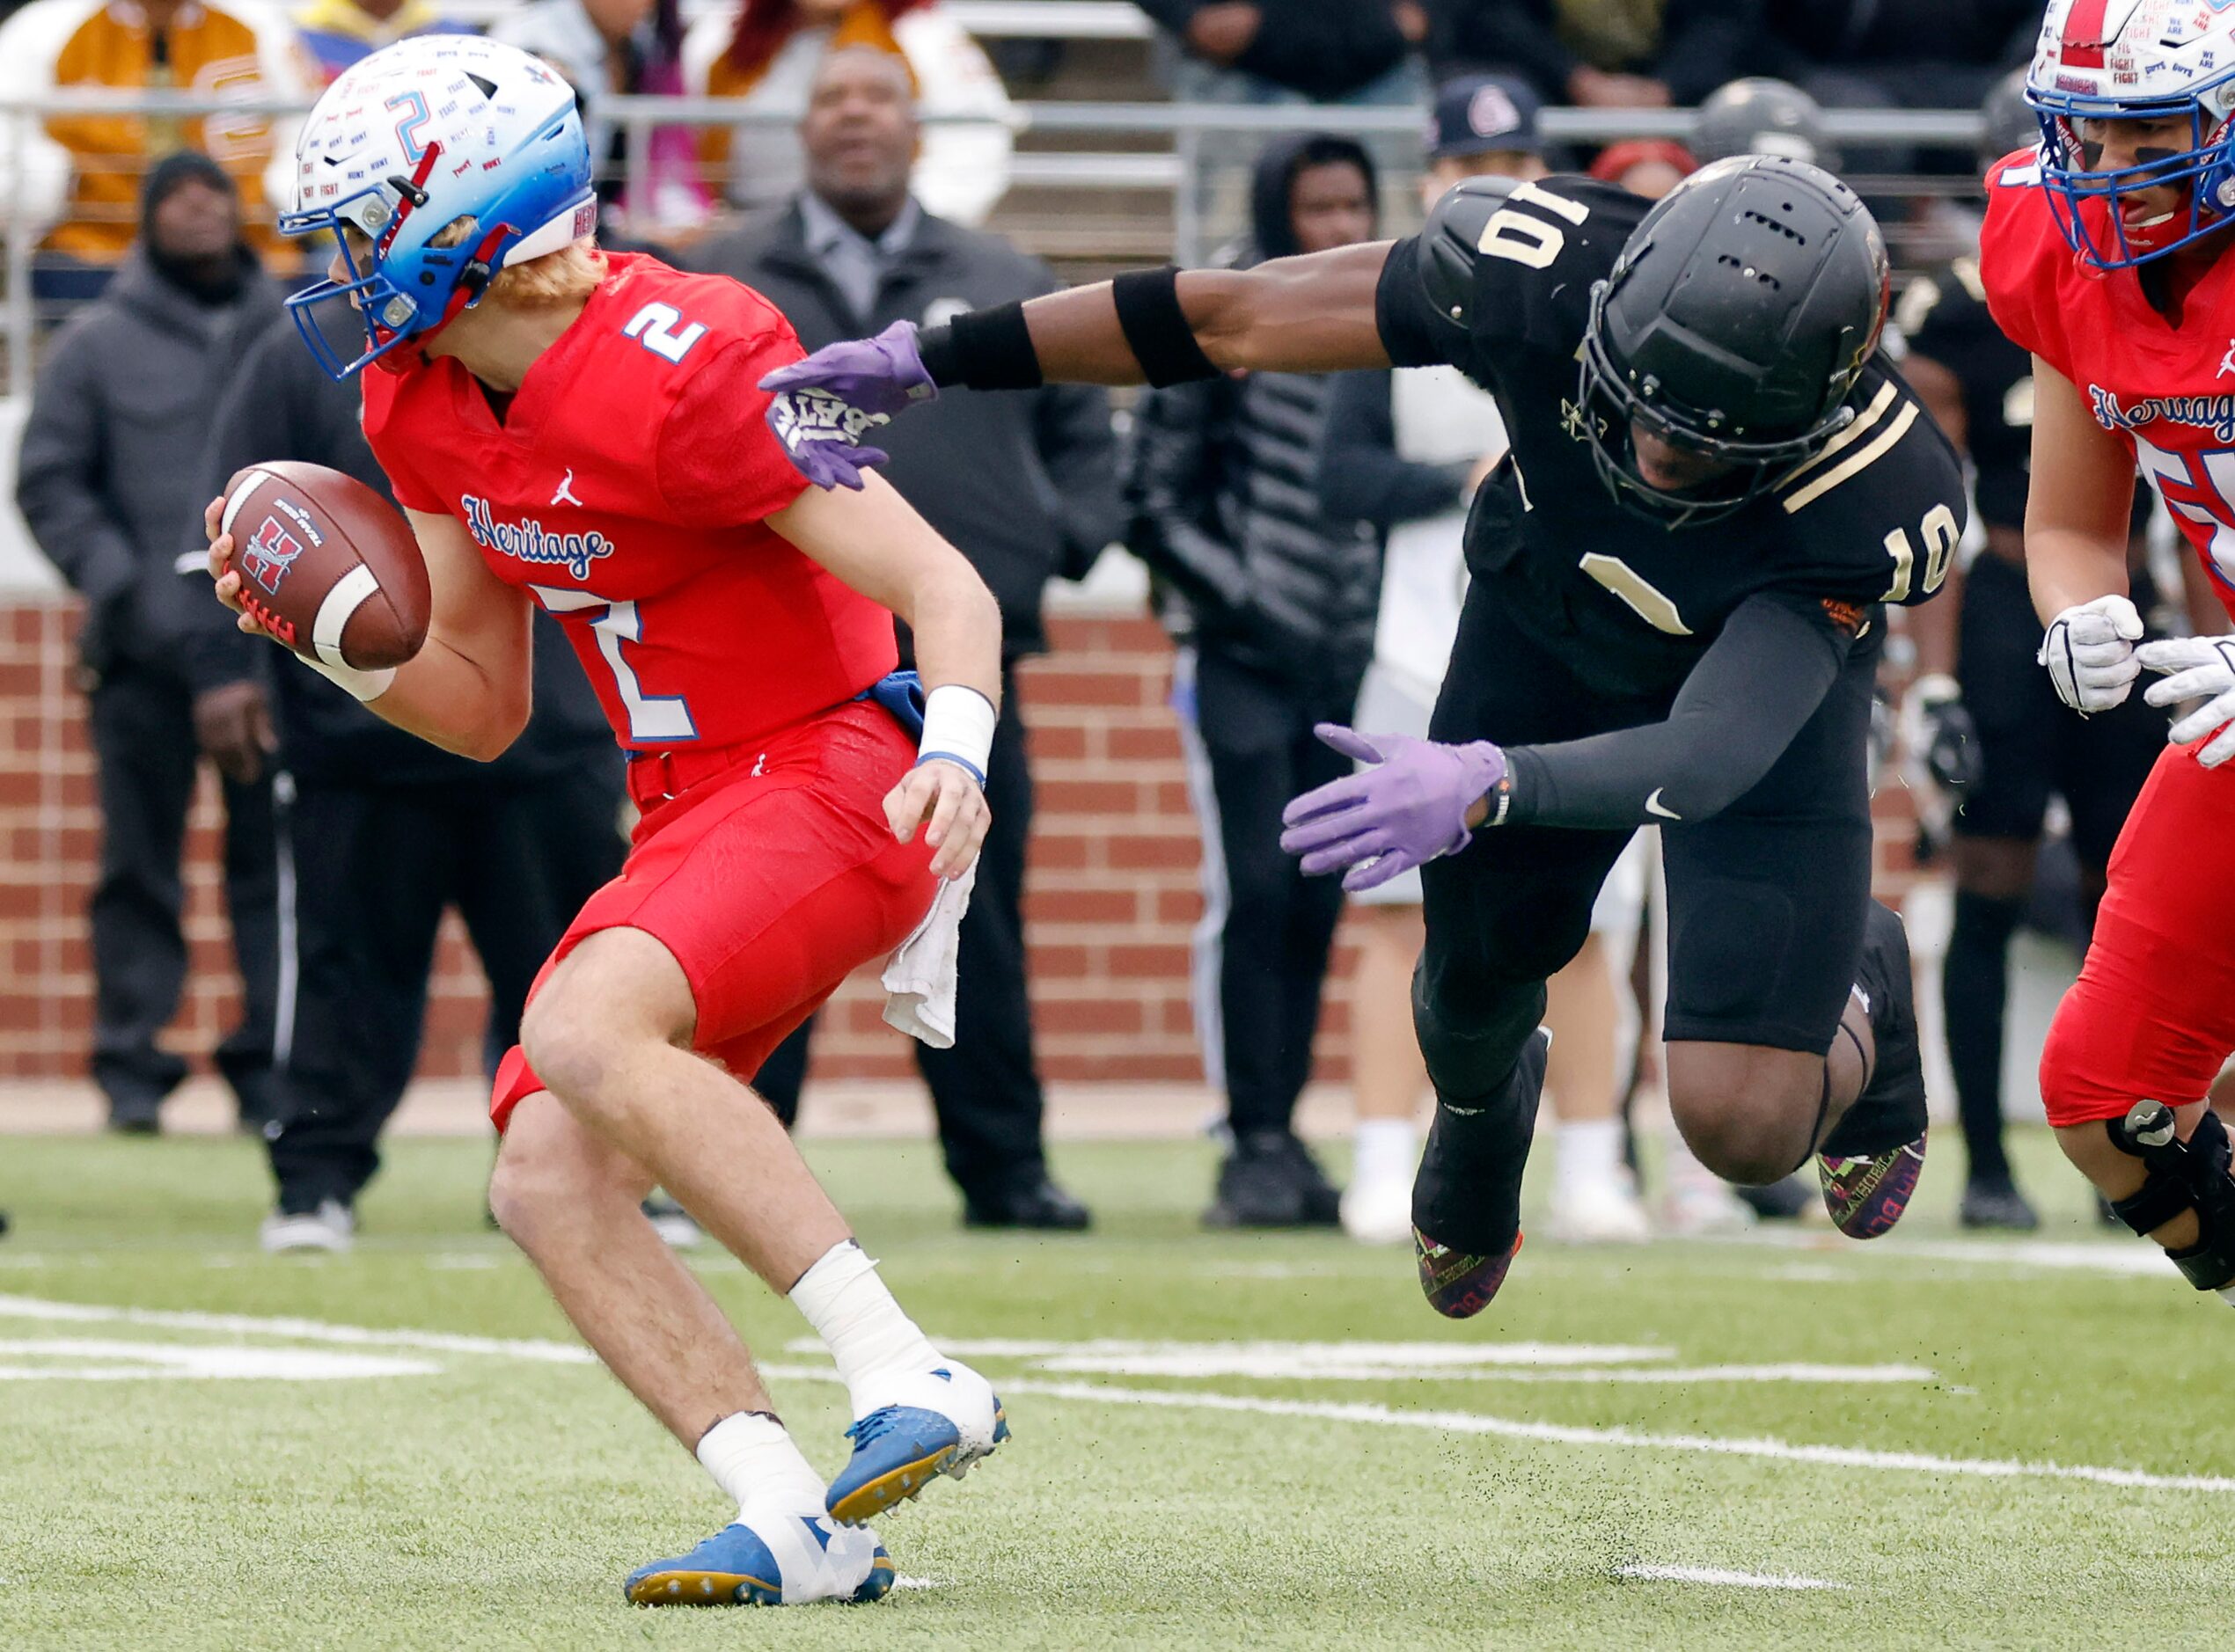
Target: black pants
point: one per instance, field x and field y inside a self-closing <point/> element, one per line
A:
<point x="985" y="1091"/>
<point x="1278" y="925"/>
<point x="372" y="868"/>
<point x="1767" y="901"/>
<point x="144" y="748"/>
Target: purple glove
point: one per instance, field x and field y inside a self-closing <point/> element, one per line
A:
<point x="1382" y="821"/>
<point x="824" y="404"/>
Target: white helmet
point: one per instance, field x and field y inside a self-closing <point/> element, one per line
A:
<point x="2112" y="60"/>
<point x="414" y="137"/>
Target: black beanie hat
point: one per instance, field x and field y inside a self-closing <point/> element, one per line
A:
<point x="179" y="167"/>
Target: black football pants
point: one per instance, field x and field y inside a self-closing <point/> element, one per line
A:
<point x="147" y="757"/>
<point x="371" y="868"/>
<point x="985" y="1091"/>
<point x="1767" y="901"/>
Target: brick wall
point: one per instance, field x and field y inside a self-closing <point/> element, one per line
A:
<point x="1111" y="897"/>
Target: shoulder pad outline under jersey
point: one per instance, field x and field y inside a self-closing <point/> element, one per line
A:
<point x="1451" y="242"/>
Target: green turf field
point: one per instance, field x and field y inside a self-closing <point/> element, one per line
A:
<point x="1230" y="1441"/>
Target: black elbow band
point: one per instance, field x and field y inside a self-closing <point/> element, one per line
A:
<point x="982" y="349"/>
<point x="1157" y="329"/>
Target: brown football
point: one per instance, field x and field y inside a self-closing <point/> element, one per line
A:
<point x="327" y="565"/>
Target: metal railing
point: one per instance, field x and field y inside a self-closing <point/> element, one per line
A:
<point x="1170" y="171"/>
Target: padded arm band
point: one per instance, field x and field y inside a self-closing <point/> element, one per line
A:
<point x="982" y="349"/>
<point x="1148" y="309"/>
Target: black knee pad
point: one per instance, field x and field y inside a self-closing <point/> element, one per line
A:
<point x="2191" y="1175"/>
<point x="1470" y="1046"/>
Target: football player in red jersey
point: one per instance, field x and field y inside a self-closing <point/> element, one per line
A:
<point x="2105" y="254"/>
<point x="583" y="431"/>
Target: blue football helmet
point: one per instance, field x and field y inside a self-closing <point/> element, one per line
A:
<point x="2135" y="60"/>
<point x="413" y="139"/>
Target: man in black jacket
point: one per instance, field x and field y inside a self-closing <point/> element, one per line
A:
<point x="1025" y="485"/>
<point x="106" y="480"/>
<point x="1608" y="56"/>
<point x="380" y="832"/>
<point x="1329" y="51"/>
<point x="1275" y="611"/>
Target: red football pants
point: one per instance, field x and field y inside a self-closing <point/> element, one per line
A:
<point x="770" y="882"/>
<point x="2152" y="1016"/>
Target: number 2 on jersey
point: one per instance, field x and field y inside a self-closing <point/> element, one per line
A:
<point x="653" y="327"/>
<point x="660" y="717"/>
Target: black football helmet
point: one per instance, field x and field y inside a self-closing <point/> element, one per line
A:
<point x="1762" y="116"/>
<point x="1734" y="325"/>
<point x="2009" y="121"/>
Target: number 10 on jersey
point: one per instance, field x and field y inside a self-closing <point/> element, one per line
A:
<point x="651" y="716"/>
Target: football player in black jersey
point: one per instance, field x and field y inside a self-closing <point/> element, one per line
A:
<point x="1981" y="712"/>
<point x="1716" y="481"/>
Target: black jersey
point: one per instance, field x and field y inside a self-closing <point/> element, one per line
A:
<point x="1498" y="284"/>
<point x="1944" y="318"/>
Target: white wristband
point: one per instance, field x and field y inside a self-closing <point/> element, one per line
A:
<point x="364" y="685"/>
<point x="958" y="725"/>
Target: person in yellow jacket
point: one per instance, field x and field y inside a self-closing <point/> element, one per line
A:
<point x="765" y="53"/>
<point x="75" y="178"/>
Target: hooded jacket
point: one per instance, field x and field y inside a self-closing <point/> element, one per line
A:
<point x="1223" y="491"/>
<point x="1024" y="485"/>
<point x="111" y="460"/>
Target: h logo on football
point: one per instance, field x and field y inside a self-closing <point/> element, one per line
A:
<point x="270" y="553"/>
<point x="566" y="493"/>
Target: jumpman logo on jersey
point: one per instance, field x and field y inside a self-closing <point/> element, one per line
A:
<point x="566" y="493"/>
<point x="2227" y="361"/>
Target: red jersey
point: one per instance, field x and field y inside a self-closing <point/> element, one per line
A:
<point x="2167" y="392"/>
<point x="626" y="489"/>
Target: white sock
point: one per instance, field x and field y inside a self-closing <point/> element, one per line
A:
<point x="1588" y="1155"/>
<point x="861" y="1325"/>
<point x="1384" y="1149"/>
<point x="752" y="1459"/>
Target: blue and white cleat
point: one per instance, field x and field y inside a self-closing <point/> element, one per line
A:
<point x="777" y="1560"/>
<point x="929" y="1423"/>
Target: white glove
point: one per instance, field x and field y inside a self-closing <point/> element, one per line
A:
<point x="2089" y="651"/>
<point x="2196" y="667"/>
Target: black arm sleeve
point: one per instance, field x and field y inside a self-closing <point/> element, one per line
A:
<point x="1361" y="478"/>
<point x="1752" y="690"/>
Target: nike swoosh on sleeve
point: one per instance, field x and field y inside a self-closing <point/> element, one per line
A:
<point x="1654" y="806"/>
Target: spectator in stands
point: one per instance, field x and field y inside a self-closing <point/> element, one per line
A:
<point x="106" y="480"/>
<point x="335" y="33"/>
<point x="1275" y="610"/>
<point x="1027" y="486"/>
<point x="605" y="46"/>
<point x="1602" y="53"/>
<point x="77" y="180"/>
<point x="1900" y="54"/>
<point x="1649" y="167"/>
<point x="1405" y="455"/>
<point x="380" y="831"/>
<point x="1320" y="51"/>
<point x="766" y="53"/>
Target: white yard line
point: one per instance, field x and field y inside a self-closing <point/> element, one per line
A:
<point x="1102" y="1394"/>
<point x="1570" y="1434"/>
<point x="302" y="1330"/>
<point x="2103" y="1256"/>
<point x="1718" y="1575"/>
<point x="1298" y="1359"/>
